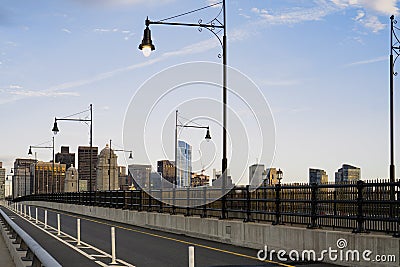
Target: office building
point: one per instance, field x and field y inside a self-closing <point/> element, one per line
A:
<point x="271" y="177"/>
<point x="65" y="157"/>
<point x="257" y="174"/>
<point x="166" y="169"/>
<point x="84" y="167"/>
<point x="122" y="178"/>
<point x="317" y="176"/>
<point x="44" y="181"/>
<point x="2" y="182"/>
<point x="22" y="182"/>
<point x="141" y="175"/>
<point x="347" y="174"/>
<point x="183" y="164"/>
<point x="107" y="170"/>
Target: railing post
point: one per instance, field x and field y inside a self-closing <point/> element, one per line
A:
<point x="360" y="216"/>
<point x="58" y="224"/>
<point x="187" y="201"/>
<point x="160" y="209"/>
<point x="191" y="256"/>
<point x="397" y="233"/>
<point x="78" y="231"/>
<point x="277" y="204"/>
<point x="149" y="208"/>
<point x="113" y="254"/>
<point x="140" y="200"/>
<point x="248" y="205"/>
<point x="45" y="219"/>
<point x="204" y="214"/>
<point x="173" y="199"/>
<point x="314" y="204"/>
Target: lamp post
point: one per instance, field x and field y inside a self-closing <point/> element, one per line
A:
<point x="56" y="130"/>
<point x="147" y="46"/>
<point x="394" y="48"/>
<point x="52" y="172"/>
<point x="109" y="163"/>
<point x="279" y="175"/>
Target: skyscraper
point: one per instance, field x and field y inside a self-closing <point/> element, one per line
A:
<point x="2" y="181"/>
<point x="84" y="167"/>
<point x="347" y="173"/>
<point x="317" y="176"/>
<point x="107" y="170"/>
<point x="256" y="174"/>
<point x="65" y="157"/>
<point x="167" y="170"/>
<point x="184" y="164"/>
<point x="43" y="180"/>
<point x="22" y="180"/>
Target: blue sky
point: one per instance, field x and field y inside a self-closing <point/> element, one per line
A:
<point x="322" y="66"/>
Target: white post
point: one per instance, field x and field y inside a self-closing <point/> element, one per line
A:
<point x="78" y="231"/>
<point x="36" y="216"/>
<point x="113" y="245"/>
<point x="58" y="224"/>
<point x="191" y="256"/>
<point x="24" y="210"/>
<point x="45" y="219"/>
<point x="29" y="212"/>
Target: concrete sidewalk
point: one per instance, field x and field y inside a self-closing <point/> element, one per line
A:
<point x="5" y="258"/>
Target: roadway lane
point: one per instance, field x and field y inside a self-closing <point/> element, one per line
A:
<point x="65" y="255"/>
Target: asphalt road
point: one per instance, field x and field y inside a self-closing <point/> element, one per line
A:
<point x="134" y="245"/>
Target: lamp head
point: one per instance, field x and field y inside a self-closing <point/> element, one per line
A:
<point x="30" y="151"/>
<point x="55" y="127"/>
<point x="147" y="45"/>
<point x="208" y="136"/>
<point x="130" y="155"/>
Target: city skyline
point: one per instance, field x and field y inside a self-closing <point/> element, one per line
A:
<point x="328" y="96"/>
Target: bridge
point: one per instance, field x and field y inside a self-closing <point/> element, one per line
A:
<point x="151" y="233"/>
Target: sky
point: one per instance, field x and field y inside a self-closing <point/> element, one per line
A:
<point x="321" y="66"/>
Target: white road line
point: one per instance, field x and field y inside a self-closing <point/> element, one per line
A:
<point x="87" y="246"/>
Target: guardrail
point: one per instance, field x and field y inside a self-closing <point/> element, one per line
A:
<point x="34" y="252"/>
<point x="362" y="206"/>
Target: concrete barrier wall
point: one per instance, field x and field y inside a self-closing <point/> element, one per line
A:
<point x="252" y="235"/>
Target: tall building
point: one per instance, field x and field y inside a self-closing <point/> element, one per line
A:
<point x="347" y="173"/>
<point x="271" y="177"/>
<point x="166" y="169"/>
<point x="65" y="157"/>
<point x="22" y="182"/>
<point x="317" y="176"/>
<point x="71" y="180"/>
<point x="107" y="170"/>
<point x="141" y="174"/>
<point x="2" y="182"/>
<point x="256" y="174"/>
<point x="84" y="167"/>
<point x="44" y="181"/>
<point x="183" y="164"/>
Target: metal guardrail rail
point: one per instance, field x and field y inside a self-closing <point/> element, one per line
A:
<point x="34" y="252"/>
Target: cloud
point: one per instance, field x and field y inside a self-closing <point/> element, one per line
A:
<point x="118" y="3"/>
<point x="385" y="7"/>
<point x="31" y="93"/>
<point x="127" y="34"/>
<point x="368" y="61"/>
<point x="373" y="23"/>
<point x="66" y="30"/>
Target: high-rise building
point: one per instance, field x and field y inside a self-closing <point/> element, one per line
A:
<point x="122" y="178"/>
<point x="271" y="177"/>
<point x="256" y="174"/>
<point x="65" y="157"/>
<point x="44" y="181"/>
<point x="84" y="167"/>
<point x="141" y="174"/>
<point x="347" y="173"/>
<point x="107" y="170"/>
<point x="2" y="182"/>
<point x="22" y="182"/>
<point x="183" y="164"/>
<point x="317" y="176"/>
<point x="166" y="169"/>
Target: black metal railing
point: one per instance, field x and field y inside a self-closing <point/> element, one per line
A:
<point x="361" y="206"/>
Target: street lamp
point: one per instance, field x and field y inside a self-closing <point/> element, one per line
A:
<point x="109" y="163"/>
<point x="279" y="175"/>
<point x="56" y="130"/>
<point x="214" y="27"/>
<point x="52" y="172"/>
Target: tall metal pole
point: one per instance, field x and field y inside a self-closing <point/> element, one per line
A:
<point x="52" y="173"/>
<point x="176" y="148"/>
<point x="224" y="159"/>
<point x="91" y="144"/>
<point x="109" y="170"/>
<point x="392" y="169"/>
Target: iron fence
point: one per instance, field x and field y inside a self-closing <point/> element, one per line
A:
<point x="362" y="206"/>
